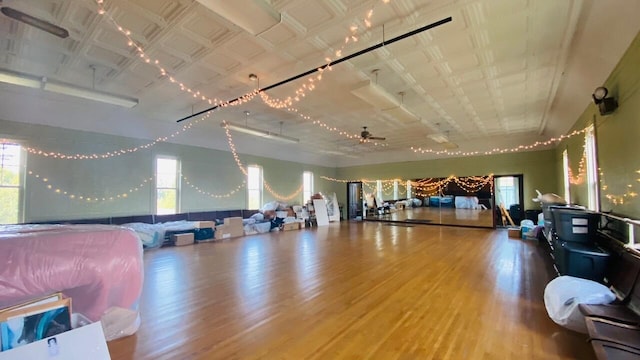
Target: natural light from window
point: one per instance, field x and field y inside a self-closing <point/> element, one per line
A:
<point x="307" y="186"/>
<point x="565" y="172"/>
<point x="254" y="187"/>
<point x="379" y="192"/>
<point x="167" y="189"/>
<point x="395" y="189"/>
<point x="408" y="189"/>
<point x="592" y="171"/>
<point x="10" y="182"/>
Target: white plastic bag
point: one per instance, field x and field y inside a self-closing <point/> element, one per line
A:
<point x="563" y="294"/>
<point x="119" y="322"/>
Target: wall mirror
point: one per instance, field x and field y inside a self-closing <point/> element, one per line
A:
<point x="458" y="201"/>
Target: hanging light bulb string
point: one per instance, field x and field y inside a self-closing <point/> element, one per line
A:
<point x="299" y="93"/>
<point x="88" y="198"/>
<point x="115" y="153"/>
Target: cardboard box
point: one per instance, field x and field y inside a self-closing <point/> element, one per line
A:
<point x="233" y="221"/>
<point x="86" y="342"/>
<point x="291" y="226"/>
<point x="183" y="239"/>
<point x="227" y="231"/>
<point x="514" y="233"/>
<point x="205" y="224"/>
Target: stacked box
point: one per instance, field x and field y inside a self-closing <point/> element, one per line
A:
<point x="232" y="227"/>
<point x="291" y="226"/>
<point x="515" y="233"/>
<point x="182" y="239"/>
<point x="205" y="224"/>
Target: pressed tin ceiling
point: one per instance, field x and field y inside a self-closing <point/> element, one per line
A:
<point x="502" y="73"/>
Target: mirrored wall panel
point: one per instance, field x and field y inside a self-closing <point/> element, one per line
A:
<point x="460" y="201"/>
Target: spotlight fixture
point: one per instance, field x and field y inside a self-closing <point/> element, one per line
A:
<point x="253" y="77"/>
<point x="606" y="105"/>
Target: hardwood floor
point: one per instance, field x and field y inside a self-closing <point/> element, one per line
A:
<point x="353" y="290"/>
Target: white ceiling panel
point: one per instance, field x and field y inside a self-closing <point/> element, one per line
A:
<point x="491" y="72"/>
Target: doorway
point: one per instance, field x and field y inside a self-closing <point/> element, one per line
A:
<point x="509" y="193"/>
<point x="355" y="198"/>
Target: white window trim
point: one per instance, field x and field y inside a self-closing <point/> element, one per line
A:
<point x="566" y="179"/>
<point x="260" y="186"/>
<point x="312" y="184"/>
<point x="592" y="170"/>
<point x="178" y="187"/>
<point x="21" y="176"/>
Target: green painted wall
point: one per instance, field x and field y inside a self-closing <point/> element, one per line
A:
<point x="537" y="167"/>
<point x="212" y="171"/>
<point x="617" y="137"/>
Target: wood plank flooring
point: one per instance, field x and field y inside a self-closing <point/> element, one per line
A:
<point x="353" y="290"/>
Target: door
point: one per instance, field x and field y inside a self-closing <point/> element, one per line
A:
<point x="354" y="196"/>
<point x="509" y="193"/>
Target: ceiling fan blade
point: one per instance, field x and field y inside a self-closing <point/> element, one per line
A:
<point x="35" y="22"/>
<point x="377" y="138"/>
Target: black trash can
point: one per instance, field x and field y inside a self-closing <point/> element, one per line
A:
<point x="532" y="215"/>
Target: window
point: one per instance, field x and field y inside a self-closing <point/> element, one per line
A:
<point x="507" y="190"/>
<point x="167" y="185"/>
<point x="395" y="189"/>
<point x="592" y="170"/>
<point x="307" y="186"/>
<point x="408" y="189"/>
<point x="254" y="187"/>
<point x="10" y="182"/>
<point x="379" y="190"/>
<point x="565" y="169"/>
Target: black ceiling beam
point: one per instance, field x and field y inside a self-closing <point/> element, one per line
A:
<point x="335" y="62"/>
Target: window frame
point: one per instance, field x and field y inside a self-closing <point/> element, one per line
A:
<point x="593" y="193"/>
<point x="307" y="193"/>
<point x="177" y="187"/>
<point x="260" y="187"/>
<point x="395" y="190"/>
<point x="21" y="175"/>
<point x="566" y="180"/>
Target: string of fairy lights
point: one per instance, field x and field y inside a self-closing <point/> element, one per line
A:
<point x="470" y="184"/>
<point x="424" y="187"/>
<point x="213" y="195"/>
<point x="243" y="170"/>
<point x="615" y="199"/>
<point x="88" y="198"/>
<point x="299" y="93"/>
<point x="115" y="153"/>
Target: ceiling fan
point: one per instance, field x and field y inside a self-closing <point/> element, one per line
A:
<point x="365" y="135"/>
<point x="33" y="21"/>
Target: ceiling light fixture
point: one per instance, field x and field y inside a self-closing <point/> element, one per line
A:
<point x="35" y="22"/>
<point x="20" y="79"/>
<point x="66" y="89"/>
<point x="401" y="113"/>
<point x="89" y="94"/>
<point x="261" y="133"/>
<point x="253" y="16"/>
<point x="439" y="138"/>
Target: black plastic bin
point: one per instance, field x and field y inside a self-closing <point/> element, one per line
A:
<point x="575" y="225"/>
<point x="581" y="260"/>
<point x="532" y="215"/>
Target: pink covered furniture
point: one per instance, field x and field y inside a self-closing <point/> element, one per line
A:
<point x="98" y="266"/>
